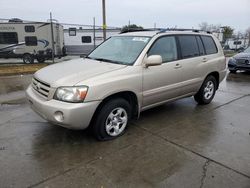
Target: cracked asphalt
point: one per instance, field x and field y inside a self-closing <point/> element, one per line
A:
<point x="179" y="144"/>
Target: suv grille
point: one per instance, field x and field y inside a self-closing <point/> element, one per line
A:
<point x="41" y="87"/>
<point x="241" y="62"/>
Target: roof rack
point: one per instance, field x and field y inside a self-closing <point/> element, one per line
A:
<point x="175" y="29"/>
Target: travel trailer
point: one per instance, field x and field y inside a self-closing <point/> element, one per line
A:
<point x="80" y="41"/>
<point x="31" y="40"/>
<point x="237" y="44"/>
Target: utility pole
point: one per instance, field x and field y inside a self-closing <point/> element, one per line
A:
<point x="104" y="26"/>
<point x="52" y="38"/>
<point x="94" y="31"/>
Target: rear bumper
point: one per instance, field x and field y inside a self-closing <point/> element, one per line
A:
<point x="75" y="115"/>
<point x="222" y="75"/>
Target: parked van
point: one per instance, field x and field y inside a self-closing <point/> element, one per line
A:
<point x="125" y="75"/>
<point x="31" y="40"/>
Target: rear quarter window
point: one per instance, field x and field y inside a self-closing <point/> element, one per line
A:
<point x="209" y="45"/>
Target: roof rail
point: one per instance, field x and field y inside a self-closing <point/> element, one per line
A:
<point x="136" y="29"/>
<point x="163" y="30"/>
<point x="179" y="29"/>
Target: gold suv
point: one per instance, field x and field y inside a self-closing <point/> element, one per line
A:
<point x="125" y="75"/>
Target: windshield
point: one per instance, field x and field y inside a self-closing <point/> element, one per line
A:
<point x="120" y="49"/>
<point x="247" y="50"/>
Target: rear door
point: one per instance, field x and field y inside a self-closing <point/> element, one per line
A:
<point x="192" y="55"/>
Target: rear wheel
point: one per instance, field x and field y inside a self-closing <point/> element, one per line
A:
<point x="112" y="119"/>
<point x="28" y="58"/>
<point x="232" y="71"/>
<point x="40" y="59"/>
<point x="207" y="91"/>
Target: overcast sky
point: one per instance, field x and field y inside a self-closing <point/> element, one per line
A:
<point x="165" y="13"/>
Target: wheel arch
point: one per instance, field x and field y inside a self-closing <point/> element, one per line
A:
<point x="129" y="96"/>
<point x="216" y="75"/>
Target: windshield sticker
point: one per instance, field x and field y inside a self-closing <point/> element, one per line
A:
<point x="140" y="39"/>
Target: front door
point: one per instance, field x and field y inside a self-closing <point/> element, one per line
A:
<point x="163" y="82"/>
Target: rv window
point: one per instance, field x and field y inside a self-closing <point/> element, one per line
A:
<point x="8" y="38"/>
<point x="29" y="28"/>
<point x="237" y="42"/>
<point x="86" y="39"/>
<point x="72" y="31"/>
<point x="30" y="41"/>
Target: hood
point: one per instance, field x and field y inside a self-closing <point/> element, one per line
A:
<point x="71" y="72"/>
<point x="242" y="56"/>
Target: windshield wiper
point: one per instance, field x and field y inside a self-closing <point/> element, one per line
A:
<point x="108" y="60"/>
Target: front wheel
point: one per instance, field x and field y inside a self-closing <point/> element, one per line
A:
<point x="207" y="91"/>
<point x="112" y="119"/>
<point x="232" y="71"/>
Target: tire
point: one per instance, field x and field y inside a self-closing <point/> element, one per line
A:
<point x="28" y="59"/>
<point x="207" y="91"/>
<point x="40" y="59"/>
<point x="106" y="128"/>
<point x="232" y="71"/>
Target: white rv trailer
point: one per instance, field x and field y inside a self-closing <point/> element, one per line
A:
<point x="31" y="40"/>
<point x="80" y="41"/>
<point x="236" y="44"/>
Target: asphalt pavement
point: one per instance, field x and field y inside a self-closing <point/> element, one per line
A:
<point x="179" y="144"/>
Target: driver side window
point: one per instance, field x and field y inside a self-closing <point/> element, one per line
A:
<point x="166" y="48"/>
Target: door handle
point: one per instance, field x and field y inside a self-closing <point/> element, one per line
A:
<point x="204" y="59"/>
<point x="177" y="66"/>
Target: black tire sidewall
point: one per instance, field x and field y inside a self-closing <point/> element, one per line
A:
<point x="99" y="123"/>
<point x="28" y="56"/>
<point x="40" y="59"/>
<point x="232" y="71"/>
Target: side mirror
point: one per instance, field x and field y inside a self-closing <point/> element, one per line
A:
<point x="153" y="60"/>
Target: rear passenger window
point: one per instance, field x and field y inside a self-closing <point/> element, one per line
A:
<point x="188" y="45"/>
<point x="209" y="45"/>
<point x="166" y="48"/>
<point x="200" y="45"/>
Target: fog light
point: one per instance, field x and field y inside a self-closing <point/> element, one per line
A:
<point x="58" y="115"/>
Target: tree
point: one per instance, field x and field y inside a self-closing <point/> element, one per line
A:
<point x="131" y="27"/>
<point x="209" y="27"/>
<point x="227" y="32"/>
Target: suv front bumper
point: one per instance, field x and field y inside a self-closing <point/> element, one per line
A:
<point x="74" y="115"/>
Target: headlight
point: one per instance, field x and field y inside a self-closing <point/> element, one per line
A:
<point x="232" y="60"/>
<point x="71" y="94"/>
